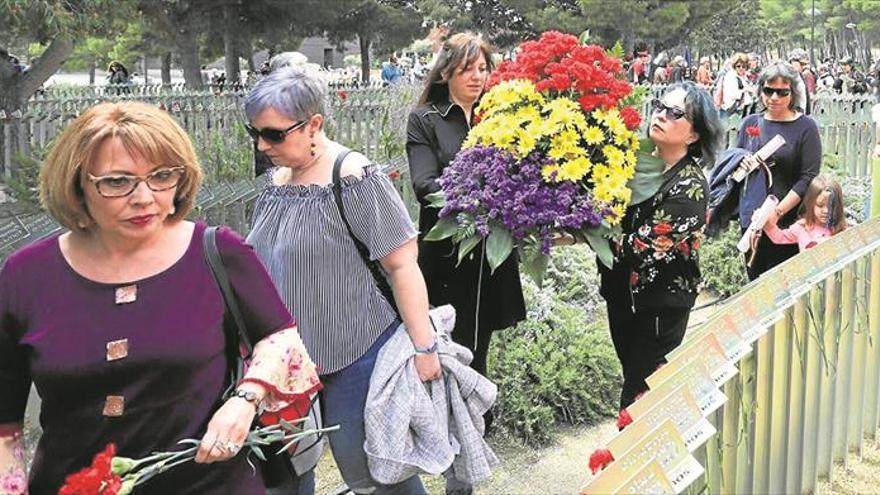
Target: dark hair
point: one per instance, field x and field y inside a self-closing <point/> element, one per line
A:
<point x="457" y="49"/>
<point x="836" y="217"/>
<point x="785" y="72"/>
<point x="639" y="47"/>
<point x="700" y="110"/>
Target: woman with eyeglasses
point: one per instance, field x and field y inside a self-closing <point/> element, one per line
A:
<point x="792" y="167"/>
<point x="734" y="89"/>
<point x="655" y="278"/>
<point x="299" y="233"/>
<point x="119" y="322"/>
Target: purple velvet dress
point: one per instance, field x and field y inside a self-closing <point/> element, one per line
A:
<point x="55" y="326"/>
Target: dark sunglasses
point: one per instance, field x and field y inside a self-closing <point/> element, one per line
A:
<point x="672" y="113"/>
<point x="782" y="92"/>
<point x="274" y="136"/>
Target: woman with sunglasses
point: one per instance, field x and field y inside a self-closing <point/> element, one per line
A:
<point x="655" y="278"/>
<point x="119" y="322"/>
<point x="792" y="167"/>
<point x="298" y="231"/>
<point x="734" y="88"/>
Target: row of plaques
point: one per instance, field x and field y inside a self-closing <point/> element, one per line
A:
<point x="654" y="453"/>
<point x="19" y="230"/>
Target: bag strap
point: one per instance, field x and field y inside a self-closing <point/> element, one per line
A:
<point x="238" y="341"/>
<point x="373" y="266"/>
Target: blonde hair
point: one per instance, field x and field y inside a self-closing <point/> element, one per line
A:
<point x="739" y="58"/>
<point x="144" y="130"/>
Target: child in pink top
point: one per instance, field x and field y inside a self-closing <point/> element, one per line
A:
<point x="821" y="216"/>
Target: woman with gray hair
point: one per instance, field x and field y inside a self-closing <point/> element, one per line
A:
<point x="309" y="244"/>
<point x="792" y="167"/>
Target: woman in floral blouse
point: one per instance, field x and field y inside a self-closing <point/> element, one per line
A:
<point x="656" y="275"/>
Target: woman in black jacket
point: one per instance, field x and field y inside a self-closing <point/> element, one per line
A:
<point x="656" y="275"/>
<point x="435" y="131"/>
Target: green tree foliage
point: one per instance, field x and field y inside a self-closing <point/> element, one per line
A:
<point x="739" y="28"/>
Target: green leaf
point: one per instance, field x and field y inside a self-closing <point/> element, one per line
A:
<point x="602" y="247"/>
<point x="534" y="264"/>
<point x="467" y="245"/>
<point x="259" y="453"/>
<point x="584" y="38"/>
<point x="498" y="247"/>
<point x="436" y="199"/>
<point x="444" y="228"/>
<point x="616" y="51"/>
<point x="649" y="173"/>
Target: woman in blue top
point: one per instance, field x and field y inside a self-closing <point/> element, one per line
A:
<point x="299" y="234"/>
<point x="792" y="167"/>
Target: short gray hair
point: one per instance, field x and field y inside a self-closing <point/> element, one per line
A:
<point x="295" y="92"/>
<point x="785" y="72"/>
<point x="287" y="59"/>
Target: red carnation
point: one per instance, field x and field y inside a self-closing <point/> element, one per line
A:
<point x="342" y="94"/>
<point x="599" y="459"/>
<point x="753" y="131"/>
<point x="623" y="419"/>
<point x="394" y="174"/>
<point x="97" y="479"/>
<point x="631" y="118"/>
<point x="662" y="229"/>
<point x="297" y="409"/>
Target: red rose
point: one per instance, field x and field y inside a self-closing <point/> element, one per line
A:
<point x="662" y="229"/>
<point x="631" y="118"/>
<point x="753" y="131"/>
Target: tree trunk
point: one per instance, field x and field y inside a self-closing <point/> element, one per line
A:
<point x="92" y="73"/>
<point x="166" y="68"/>
<point x="364" y="41"/>
<point x="146" y="67"/>
<point x="230" y="43"/>
<point x="15" y="88"/>
<point x="188" y="50"/>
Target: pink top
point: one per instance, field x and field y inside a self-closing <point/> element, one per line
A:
<point x="805" y="236"/>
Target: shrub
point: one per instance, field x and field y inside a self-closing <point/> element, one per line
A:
<point x="558" y="366"/>
<point x="721" y="263"/>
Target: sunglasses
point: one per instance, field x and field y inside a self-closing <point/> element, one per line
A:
<point x="274" y="136"/>
<point x="782" y="92"/>
<point x="672" y="113"/>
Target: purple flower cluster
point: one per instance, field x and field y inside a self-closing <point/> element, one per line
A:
<point x="490" y="185"/>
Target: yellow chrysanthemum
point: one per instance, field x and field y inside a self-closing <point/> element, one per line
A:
<point x="593" y="135"/>
<point x="547" y="172"/>
<point x="527" y="143"/>
<point x="574" y="170"/>
<point x="614" y="156"/>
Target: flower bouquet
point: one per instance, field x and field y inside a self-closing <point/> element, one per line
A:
<point x="112" y="475"/>
<point x="554" y="152"/>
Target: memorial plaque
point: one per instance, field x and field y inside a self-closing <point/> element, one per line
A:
<point x="40" y="226"/>
<point x="12" y="232"/>
<point x="665" y="446"/>
<point x="651" y="479"/>
<point x="679" y="406"/>
<point x="705" y="349"/>
<point x="205" y="197"/>
<point x="698" y="380"/>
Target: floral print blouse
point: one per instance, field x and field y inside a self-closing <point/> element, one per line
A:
<point x="658" y="252"/>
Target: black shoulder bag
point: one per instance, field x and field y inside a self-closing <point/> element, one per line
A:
<point x="278" y="471"/>
<point x="373" y="266"/>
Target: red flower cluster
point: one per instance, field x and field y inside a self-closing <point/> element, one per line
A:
<point x="631" y="117"/>
<point x="97" y="479"/>
<point x="556" y="62"/>
<point x="753" y="131"/>
<point x="298" y="408"/>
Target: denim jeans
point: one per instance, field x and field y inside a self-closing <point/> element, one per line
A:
<point x="343" y="399"/>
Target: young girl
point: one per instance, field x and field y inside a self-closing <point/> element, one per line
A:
<point x="821" y="216"/>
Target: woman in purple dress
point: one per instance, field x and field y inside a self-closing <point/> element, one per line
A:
<point x="119" y="323"/>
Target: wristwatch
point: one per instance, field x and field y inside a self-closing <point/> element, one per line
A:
<point x="248" y="395"/>
<point x="426" y="350"/>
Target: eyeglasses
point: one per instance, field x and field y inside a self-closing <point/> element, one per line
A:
<point x="117" y="186"/>
<point x="672" y="113"/>
<point x="274" y="136"/>
<point x="782" y="92"/>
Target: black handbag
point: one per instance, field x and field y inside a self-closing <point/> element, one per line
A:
<point x="375" y="268"/>
<point x="277" y="470"/>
